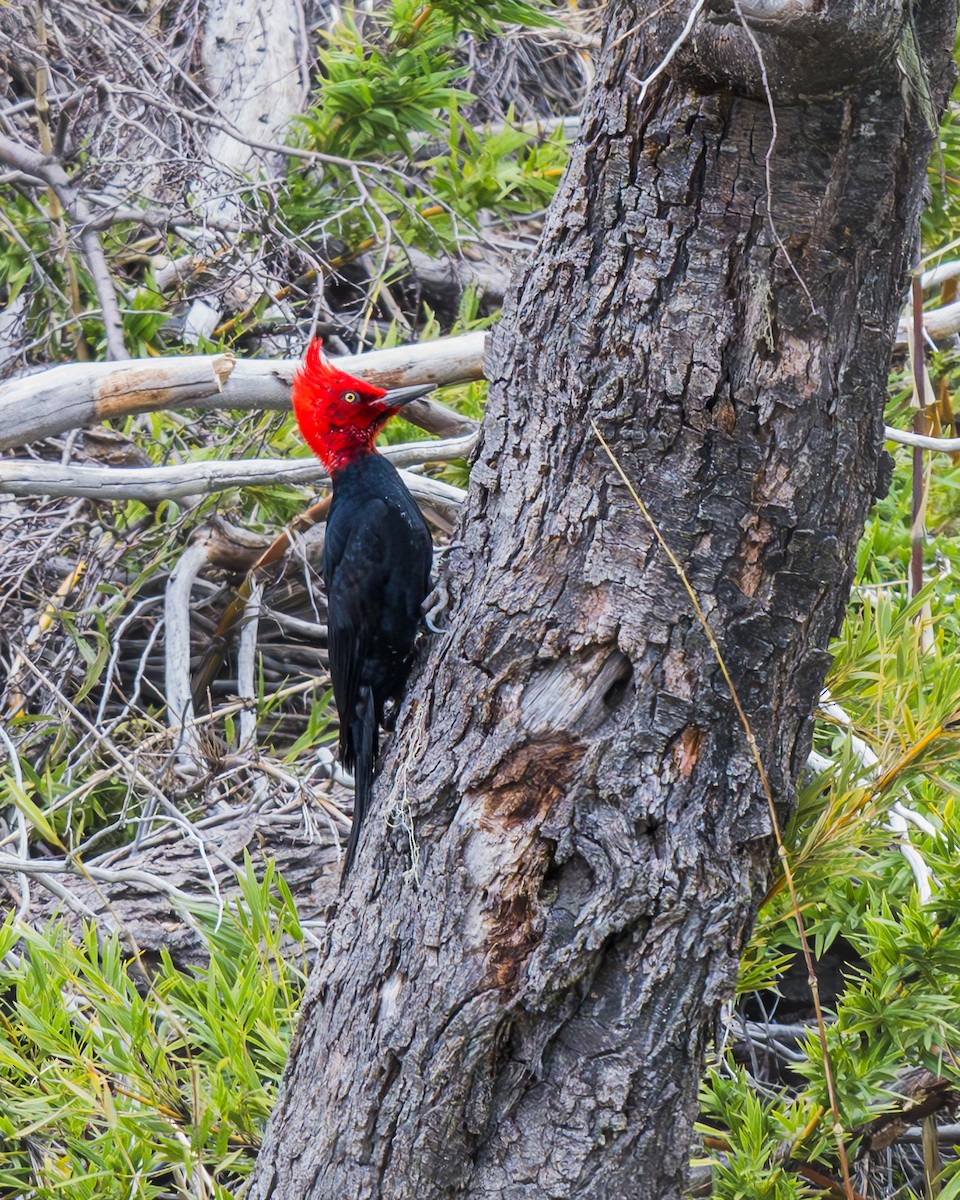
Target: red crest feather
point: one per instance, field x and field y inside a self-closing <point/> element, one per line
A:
<point x="317" y="374"/>
<point x="336" y="428"/>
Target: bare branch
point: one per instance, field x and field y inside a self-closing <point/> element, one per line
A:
<point x="177" y="654"/>
<point x="921" y="440"/>
<point x="939" y="275"/>
<point x="937" y="323"/>
<point x="78" y="394"/>
<point x="153" y="484"/>
<point x="50" y="172"/>
<point x="153" y="883"/>
<point x="448" y="278"/>
<point x="247" y="666"/>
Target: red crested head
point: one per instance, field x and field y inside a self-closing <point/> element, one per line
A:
<point x="339" y="416"/>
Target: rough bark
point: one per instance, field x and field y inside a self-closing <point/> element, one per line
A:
<point x="524" y="1013"/>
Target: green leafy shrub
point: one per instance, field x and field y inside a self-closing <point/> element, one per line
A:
<point x="121" y="1080"/>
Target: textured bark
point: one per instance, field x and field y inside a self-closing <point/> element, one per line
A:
<point x="525" y="1014"/>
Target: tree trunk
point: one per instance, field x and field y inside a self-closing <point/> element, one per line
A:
<point x="570" y="835"/>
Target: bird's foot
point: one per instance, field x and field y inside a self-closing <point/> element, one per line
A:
<point x="439" y="598"/>
<point x="435" y="603"/>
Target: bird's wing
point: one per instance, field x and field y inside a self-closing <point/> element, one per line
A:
<point x="356" y="569"/>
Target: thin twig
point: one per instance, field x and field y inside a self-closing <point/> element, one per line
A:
<point x="671" y="51"/>
<point x="50" y="172"/>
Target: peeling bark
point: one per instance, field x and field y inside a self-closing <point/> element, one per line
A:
<point x="525" y="1014"/>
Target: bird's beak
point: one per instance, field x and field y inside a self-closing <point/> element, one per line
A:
<point x="401" y="396"/>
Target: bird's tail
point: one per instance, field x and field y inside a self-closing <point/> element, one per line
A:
<point x="364" y="738"/>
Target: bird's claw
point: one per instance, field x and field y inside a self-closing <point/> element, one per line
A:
<point x="439" y="598"/>
<point x="433" y="605"/>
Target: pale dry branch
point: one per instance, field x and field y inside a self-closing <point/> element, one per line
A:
<point x="129" y="765"/>
<point x="446" y="279"/>
<point x="178" y="691"/>
<point x="145" y="879"/>
<point x="939" y="275"/>
<point x="938" y="323"/>
<point x="921" y="441"/>
<point x="897" y="823"/>
<point x="78" y="394"/>
<point x="155" y="484"/>
<point x="250" y="65"/>
<point x="246" y="667"/>
<point x="779" y="10"/>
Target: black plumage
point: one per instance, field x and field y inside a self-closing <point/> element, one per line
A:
<point x="377" y="559"/>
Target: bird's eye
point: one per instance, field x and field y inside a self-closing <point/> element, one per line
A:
<point x="351" y="397"/>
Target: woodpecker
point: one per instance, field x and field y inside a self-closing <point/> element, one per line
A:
<point x="377" y="557"/>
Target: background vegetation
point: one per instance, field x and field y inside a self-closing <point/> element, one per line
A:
<point x="140" y="1068"/>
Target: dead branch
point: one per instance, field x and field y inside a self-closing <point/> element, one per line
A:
<point x="151" y="891"/>
<point x="921" y="440"/>
<point x="49" y="171"/>
<point x="939" y="275"/>
<point x="446" y="279"/>
<point x="922" y="1094"/>
<point x="247" y="668"/>
<point x="154" y="484"/>
<point x="251" y="68"/>
<point x="177" y="655"/>
<point x="78" y="394"/>
<point x="937" y="323"/>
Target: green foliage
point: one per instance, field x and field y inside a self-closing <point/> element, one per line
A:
<point x="502" y="172"/>
<point x="896" y="674"/>
<point x="375" y="96"/>
<point x="144" y="319"/>
<point x="385" y="92"/>
<point x="38" y="269"/>
<point x="758" y="1135"/>
<point x="484" y="19"/>
<point x="23" y="230"/>
<point x="124" y="1082"/>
